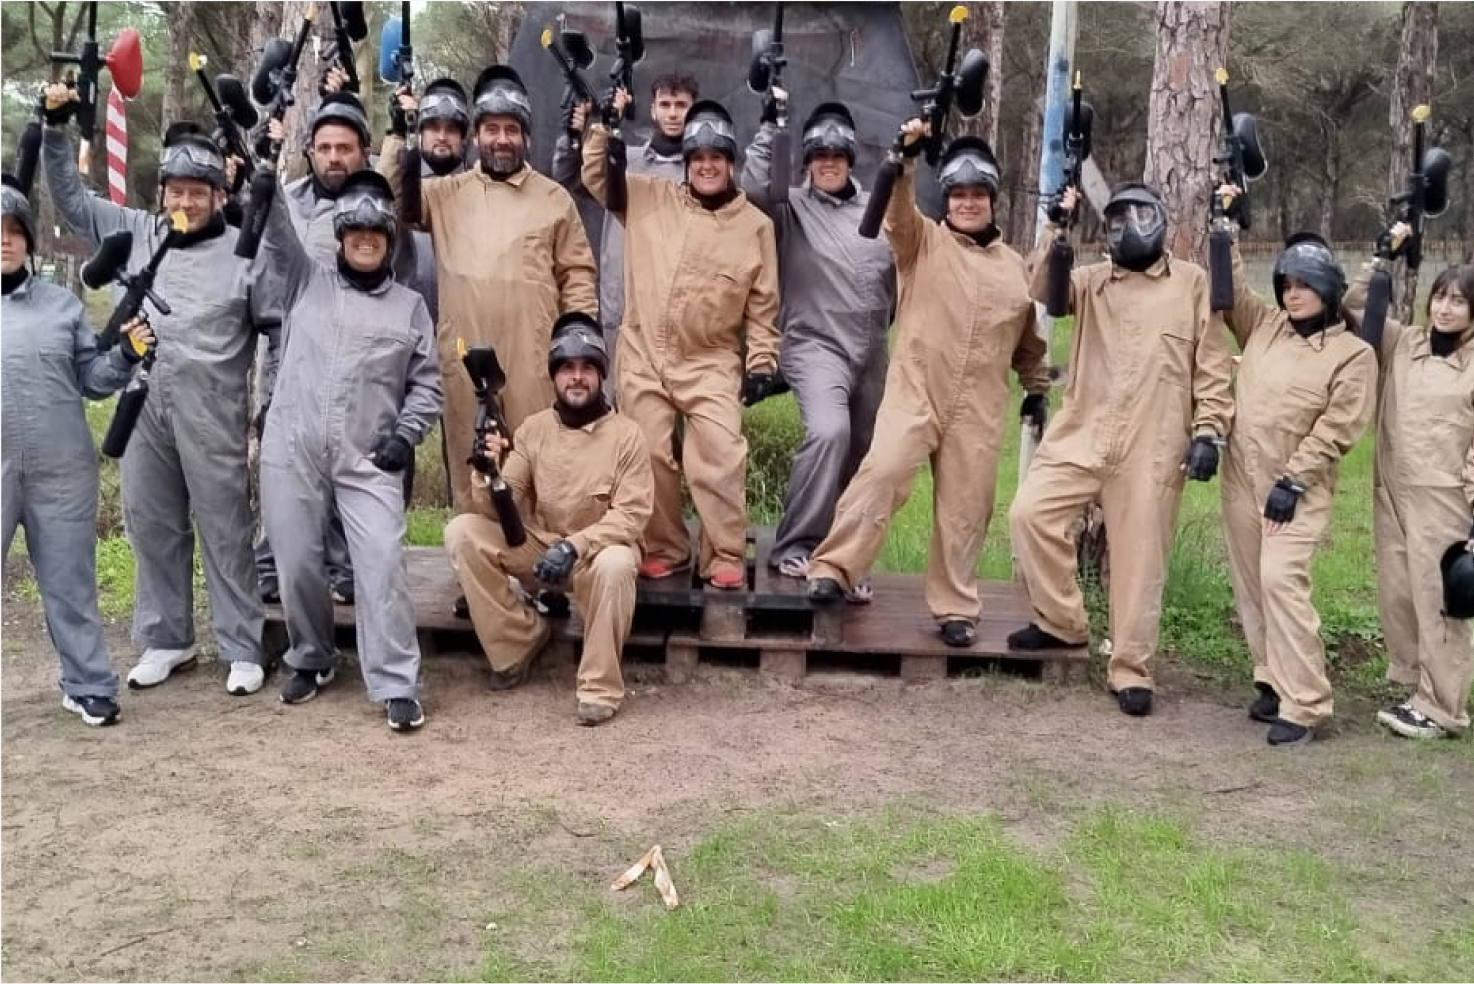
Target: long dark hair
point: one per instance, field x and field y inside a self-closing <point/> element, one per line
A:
<point x="1460" y="275"/>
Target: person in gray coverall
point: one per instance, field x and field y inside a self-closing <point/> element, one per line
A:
<point x="839" y="294"/>
<point x="359" y="387"/>
<point x="187" y="457"/>
<point x="50" y="362"/>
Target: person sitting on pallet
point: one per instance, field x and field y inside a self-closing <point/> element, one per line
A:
<point x="964" y="318"/>
<point x="580" y="476"/>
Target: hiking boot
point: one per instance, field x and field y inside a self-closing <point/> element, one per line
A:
<point x="245" y="678"/>
<point x="1032" y="637"/>
<point x="1410" y="723"/>
<point x="959" y="633"/>
<point x="507" y="679"/>
<point x="1288" y="734"/>
<point x="824" y="591"/>
<point x="461" y="608"/>
<point x="343" y="591"/>
<point x="1135" y="701"/>
<point x="99" y="712"/>
<point x="303" y="685"/>
<point x="155" y="666"/>
<point x="591" y="715"/>
<point x="269" y="588"/>
<point x="1266" y="707"/>
<point x="728" y="577"/>
<point x="405" y="713"/>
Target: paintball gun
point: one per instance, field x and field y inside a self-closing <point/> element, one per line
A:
<point x="629" y="47"/>
<point x="571" y="50"/>
<point x="1240" y="161"/>
<point x="487" y="379"/>
<point x="234" y="115"/>
<point x="764" y="74"/>
<point x="1426" y="196"/>
<point x="271" y="86"/>
<point x="397" y="69"/>
<point x="1078" y="124"/>
<point x="962" y="85"/>
<point x="124" y="62"/>
<point x="348" y="26"/>
<point x="107" y="266"/>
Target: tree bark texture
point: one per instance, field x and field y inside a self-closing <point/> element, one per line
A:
<point x="177" y="75"/>
<point x="1412" y="86"/>
<point x="984" y="31"/>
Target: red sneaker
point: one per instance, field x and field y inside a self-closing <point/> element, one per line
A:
<point x="728" y="577"/>
<point x="655" y="570"/>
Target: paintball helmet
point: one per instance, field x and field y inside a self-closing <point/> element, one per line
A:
<point x="968" y="161"/>
<point x="343" y="109"/>
<point x="1308" y="259"/>
<point x="576" y="335"/>
<point x="500" y="92"/>
<point x="1136" y="225"/>
<point x="445" y="99"/>
<point x="13" y="202"/>
<point x="830" y="127"/>
<point x="709" y="127"/>
<point x="190" y="155"/>
<point x="366" y="202"/>
<point x="1457" y="566"/>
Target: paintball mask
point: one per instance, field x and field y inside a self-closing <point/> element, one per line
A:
<point x="500" y="92"/>
<point x="829" y="127"/>
<point x="192" y="157"/>
<point x="709" y="127"/>
<point x="445" y="99"/>
<point x="577" y="336"/>
<point x="1136" y="226"/>
<point x="969" y="161"/>
<point x="366" y="202"/>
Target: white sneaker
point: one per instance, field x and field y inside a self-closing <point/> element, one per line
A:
<point x="245" y="678"/>
<point x="156" y="664"/>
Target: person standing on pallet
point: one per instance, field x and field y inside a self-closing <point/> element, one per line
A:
<point x="702" y="275"/>
<point x="839" y="293"/>
<point x="1149" y="401"/>
<point x="580" y="475"/>
<point x="965" y="317"/>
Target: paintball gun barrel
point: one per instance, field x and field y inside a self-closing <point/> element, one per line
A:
<point x="487" y="379"/>
<point x="1079" y="122"/>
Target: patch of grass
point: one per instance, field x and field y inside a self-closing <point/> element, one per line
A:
<point x="425" y="527"/>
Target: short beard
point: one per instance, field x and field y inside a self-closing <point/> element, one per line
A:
<point x="501" y="168"/>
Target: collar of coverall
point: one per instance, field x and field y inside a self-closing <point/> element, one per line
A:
<point x="19" y="282"/>
<point x="1161" y="268"/>
<point x="514" y="179"/>
<point x="829" y="198"/>
<point x="1423" y="347"/>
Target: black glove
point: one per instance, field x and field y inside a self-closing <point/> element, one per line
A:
<point x="57" y="115"/>
<point x="770" y="109"/>
<point x="914" y="148"/>
<point x="1202" y="460"/>
<point x="1035" y="411"/>
<point x="756" y="387"/>
<point x="398" y="122"/>
<point x="554" y="566"/>
<point x="1280" y="506"/>
<point x="392" y="453"/>
<point x="1058" y="214"/>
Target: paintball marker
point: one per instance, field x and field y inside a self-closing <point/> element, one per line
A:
<point x="1426" y="196"/>
<point x="124" y="62"/>
<point x="1078" y="124"/>
<point x="1239" y="162"/>
<point x="571" y="50"/>
<point x="234" y="115"/>
<point x="629" y="46"/>
<point x="348" y="26"/>
<point x="107" y="266"/>
<point x="397" y="69"/>
<point x="764" y="74"/>
<point x="271" y="87"/>
<point x="487" y="379"/>
<point x="962" y="85"/>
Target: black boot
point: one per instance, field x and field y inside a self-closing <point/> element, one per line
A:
<point x="462" y="608"/>
<point x="1034" y="637"/>
<point x="1266" y="706"/>
<point x="958" y="633"/>
<point x="825" y="591"/>
<point x="1287" y="734"/>
<point x="1135" y="701"/>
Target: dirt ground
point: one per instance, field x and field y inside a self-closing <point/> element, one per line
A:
<point x="208" y="837"/>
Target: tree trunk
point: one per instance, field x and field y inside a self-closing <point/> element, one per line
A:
<point x="985" y="32"/>
<point x="1330" y="188"/>
<point x="1182" y="116"/>
<point x="1024" y="203"/>
<point x="1411" y="87"/>
<point x="176" y="71"/>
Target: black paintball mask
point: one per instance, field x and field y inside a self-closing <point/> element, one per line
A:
<point x="1136" y="226"/>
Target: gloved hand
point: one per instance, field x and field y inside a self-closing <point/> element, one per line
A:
<point x="1201" y="460"/>
<point x="398" y="122"/>
<point x="57" y="115"/>
<point x="556" y="563"/>
<point x="1280" y="506"/>
<point x="1034" y="411"/>
<point x="392" y="453"/>
<point x="756" y="387"/>
<point x="770" y="108"/>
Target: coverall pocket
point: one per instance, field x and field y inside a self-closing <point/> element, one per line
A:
<point x="1301" y="406"/>
<point x="716" y="311"/>
<point x="1177" y="357"/>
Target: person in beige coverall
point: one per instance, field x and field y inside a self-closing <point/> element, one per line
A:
<point x="1149" y="398"/>
<point x="701" y="275"/>
<point x="1306" y="391"/>
<point x="1424" y="497"/>
<point x="511" y="254"/>
<point x="964" y="317"/>
<point x="580" y="475"/>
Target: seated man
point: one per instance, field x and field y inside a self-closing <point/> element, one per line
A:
<point x="580" y="475"/>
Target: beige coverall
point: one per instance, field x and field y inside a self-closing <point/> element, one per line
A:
<point x="1424" y="496"/>
<point x="1302" y="404"/>
<point x="510" y="256"/>
<point x="963" y="318"/>
<point x="696" y="283"/>
<point x="589" y="485"/>
<point x="1149" y="370"/>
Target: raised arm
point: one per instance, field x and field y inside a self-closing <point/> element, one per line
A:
<point x="905" y="226"/>
<point x="757" y="172"/>
<point x="84" y="212"/>
<point x="1249" y="309"/>
<point x="284" y="260"/>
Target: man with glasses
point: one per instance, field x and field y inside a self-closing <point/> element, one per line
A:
<point x="186" y="463"/>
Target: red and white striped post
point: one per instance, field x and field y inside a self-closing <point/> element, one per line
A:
<point x="117" y="148"/>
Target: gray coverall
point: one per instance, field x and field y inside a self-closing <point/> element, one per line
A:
<point x="188" y="453"/>
<point x="50" y="362"/>
<point x="839" y="294"/>
<point x="358" y="364"/>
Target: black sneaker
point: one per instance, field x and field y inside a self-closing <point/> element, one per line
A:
<point x="99" y="712"/>
<point x="507" y="679"/>
<point x="302" y="685"/>
<point x="269" y="588"/>
<point x="1135" y="701"/>
<point x="1266" y="706"/>
<point x="1032" y="637"/>
<point x="343" y="591"/>
<point x="1287" y="734"/>
<point x="553" y="604"/>
<point x="824" y="591"/>
<point x="461" y="608"/>
<point x="405" y="713"/>
<point x="1410" y="723"/>
<point x="958" y="633"/>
